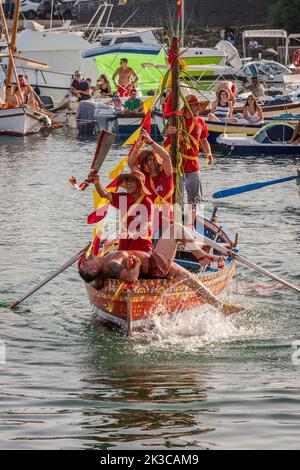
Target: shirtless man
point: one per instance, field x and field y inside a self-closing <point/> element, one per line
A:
<point x="129" y="266"/>
<point x="127" y="78"/>
<point x="12" y="100"/>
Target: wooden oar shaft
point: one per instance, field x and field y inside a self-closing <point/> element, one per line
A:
<point x="51" y="276"/>
<point x="249" y="187"/>
<point x="250" y="264"/>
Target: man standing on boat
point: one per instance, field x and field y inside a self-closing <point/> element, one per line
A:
<point x="129" y="266"/>
<point x="136" y="210"/>
<point x="193" y="135"/>
<point x="127" y="78"/>
<point x="157" y="168"/>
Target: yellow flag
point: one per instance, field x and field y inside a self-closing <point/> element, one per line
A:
<point x="119" y="168"/>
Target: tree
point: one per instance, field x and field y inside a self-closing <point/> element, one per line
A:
<point x="285" y="14"/>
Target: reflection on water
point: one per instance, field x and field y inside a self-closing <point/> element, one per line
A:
<point x="195" y="381"/>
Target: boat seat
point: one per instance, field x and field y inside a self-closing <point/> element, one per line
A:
<point x="47" y="101"/>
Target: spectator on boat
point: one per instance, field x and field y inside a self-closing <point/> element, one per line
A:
<point x="230" y="36"/>
<point x="12" y="100"/>
<point x="80" y="87"/>
<point x="102" y="87"/>
<point x="156" y="165"/>
<point x="222" y="109"/>
<point x="230" y="88"/>
<point x="296" y="135"/>
<point x="116" y="103"/>
<point x="252" y="112"/>
<point x="133" y="104"/>
<point x="129" y="266"/>
<point x="136" y="210"/>
<point x="193" y="135"/>
<point x="256" y="88"/>
<point x="127" y="78"/>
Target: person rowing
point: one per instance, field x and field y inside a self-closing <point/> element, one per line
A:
<point x="131" y="265"/>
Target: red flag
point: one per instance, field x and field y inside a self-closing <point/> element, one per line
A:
<point x="101" y="212"/>
<point x="146" y="122"/>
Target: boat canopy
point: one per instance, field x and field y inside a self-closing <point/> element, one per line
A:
<point x="274" y="132"/>
<point x="124" y="48"/>
<point x="265" y="33"/>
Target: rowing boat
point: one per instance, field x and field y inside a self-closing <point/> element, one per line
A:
<point x="138" y="307"/>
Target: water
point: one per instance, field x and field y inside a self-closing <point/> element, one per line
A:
<point x="199" y="382"/>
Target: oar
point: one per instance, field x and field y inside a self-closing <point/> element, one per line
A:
<point x="250" y="187"/>
<point x="248" y="263"/>
<point x="62" y="268"/>
<point x="106" y="139"/>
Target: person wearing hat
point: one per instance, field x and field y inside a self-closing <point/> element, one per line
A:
<point x="156" y="165"/>
<point x="194" y="135"/>
<point x="136" y="210"/>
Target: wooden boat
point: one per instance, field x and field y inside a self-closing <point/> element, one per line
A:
<point x="21" y="121"/>
<point x="216" y="129"/>
<point x="137" y="308"/>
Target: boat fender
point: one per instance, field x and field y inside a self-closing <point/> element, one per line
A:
<point x="296" y="58"/>
<point x="46" y="121"/>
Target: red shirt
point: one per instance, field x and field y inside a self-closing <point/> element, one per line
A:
<point x="143" y="212"/>
<point x="197" y="131"/>
<point x="162" y="186"/>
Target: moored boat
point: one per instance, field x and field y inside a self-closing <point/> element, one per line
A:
<point x="21" y="121"/>
<point x="271" y="140"/>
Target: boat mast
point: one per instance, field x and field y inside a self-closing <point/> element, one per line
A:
<point x="12" y="43"/>
<point x="174" y="117"/>
<point x="182" y="24"/>
<point x="11" y="49"/>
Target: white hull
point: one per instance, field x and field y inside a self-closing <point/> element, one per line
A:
<point x="20" y="121"/>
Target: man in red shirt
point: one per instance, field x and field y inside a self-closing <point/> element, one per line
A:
<point x="157" y="168"/>
<point x="194" y="135"/>
<point x="136" y="210"/>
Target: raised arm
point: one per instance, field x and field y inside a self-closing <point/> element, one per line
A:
<point x="167" y="163"/>
<point x="101" y="190"/>
<point x="132" y="161"/>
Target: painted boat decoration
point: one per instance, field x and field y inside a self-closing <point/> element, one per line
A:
<point x="137" y="308"/>
<point x="271" y="140"/>
<point x="21" y="121"/>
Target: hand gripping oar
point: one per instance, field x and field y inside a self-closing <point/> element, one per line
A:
<point x="106" y="139"/>
<point x="248" y="263"/>
<point x="250" y="187"/>
<point x="51" y="276"/>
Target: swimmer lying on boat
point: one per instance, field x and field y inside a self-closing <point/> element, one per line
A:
<point x="129" y="266"/>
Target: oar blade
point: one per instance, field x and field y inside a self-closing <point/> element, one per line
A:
<point x="106" y="140"/>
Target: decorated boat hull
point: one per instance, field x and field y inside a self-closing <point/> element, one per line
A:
<point x="137" y="308"/>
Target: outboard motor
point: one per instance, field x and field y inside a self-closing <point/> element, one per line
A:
<point x="85" y="117"/>
<point x="106" y="117"/>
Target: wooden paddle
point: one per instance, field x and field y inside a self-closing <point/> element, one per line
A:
<point x="106" y="139"/>
<point x="51" y="276"/>
<point x="248" y="263"/>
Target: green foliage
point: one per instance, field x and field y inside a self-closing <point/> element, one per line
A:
<point x="285" y="14"/>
